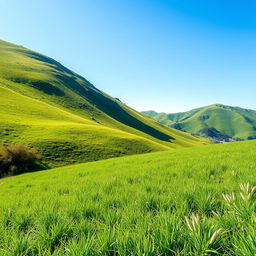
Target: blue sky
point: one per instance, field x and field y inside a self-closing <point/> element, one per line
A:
<point x="166" y="55"/>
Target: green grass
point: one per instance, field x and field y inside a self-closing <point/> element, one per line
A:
<point x="234" y="122"/>
<point x="163" y="203"/>
<point x="49" y="107"/>
<point x="61" y="137"/>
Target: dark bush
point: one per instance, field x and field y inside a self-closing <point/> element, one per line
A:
<point x="18" y="159"/>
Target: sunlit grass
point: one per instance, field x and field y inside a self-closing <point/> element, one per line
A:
<point x="198" y="201"/>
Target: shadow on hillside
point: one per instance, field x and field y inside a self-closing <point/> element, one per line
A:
<point x="112" y="108"/>
<point x="56" y="65"/>
<point x="94" y="96"/>
<point x="40" y="85"/>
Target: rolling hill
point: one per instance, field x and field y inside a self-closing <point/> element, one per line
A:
<point x="135" y="205"/>
<point x="46" y="105"/>
<point x="215" y="121"/>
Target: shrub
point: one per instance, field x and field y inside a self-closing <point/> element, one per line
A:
<point x="17" y="159"/>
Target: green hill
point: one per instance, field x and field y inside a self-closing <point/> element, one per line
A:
<point x="49" y="107"/>
<point x="163" y="203"/>
<point x="215" y="121"/>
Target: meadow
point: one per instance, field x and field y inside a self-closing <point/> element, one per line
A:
<point x="193" y="201"/>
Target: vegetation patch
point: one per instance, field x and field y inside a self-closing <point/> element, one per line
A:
<point x="17" y="159"/>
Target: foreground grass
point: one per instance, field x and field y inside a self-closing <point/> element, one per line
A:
<point x="184" y="202"/>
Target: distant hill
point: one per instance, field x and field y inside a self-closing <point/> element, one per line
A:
<point x="46" y="105"/>
<point x="215" y="121"/>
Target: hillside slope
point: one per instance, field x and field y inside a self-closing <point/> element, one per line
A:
<point x="49" y="107"/>
<point x="216" y="121"/>
<point x="134" y="205"/>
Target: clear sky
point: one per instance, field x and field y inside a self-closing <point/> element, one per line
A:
<point x="165" y="55"/>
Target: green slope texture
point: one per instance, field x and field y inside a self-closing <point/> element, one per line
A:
<point x="216" y="121"/>
<point x="47" y="106"/>
<point x="135" y="205"/>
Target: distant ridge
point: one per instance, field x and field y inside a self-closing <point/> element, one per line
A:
<point x="216" y="121"/>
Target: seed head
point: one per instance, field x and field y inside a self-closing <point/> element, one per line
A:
<point x="234" y="173"/>
<point x="229" y="198"/>
<point x="215" y="235"/>
<point x="247" y="191"/>
<point x="193" y="222"/>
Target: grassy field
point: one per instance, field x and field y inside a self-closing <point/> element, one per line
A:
<point x="47" y="106"/>
<point x="183" y="202"/>
<point x="234" y="122"/>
